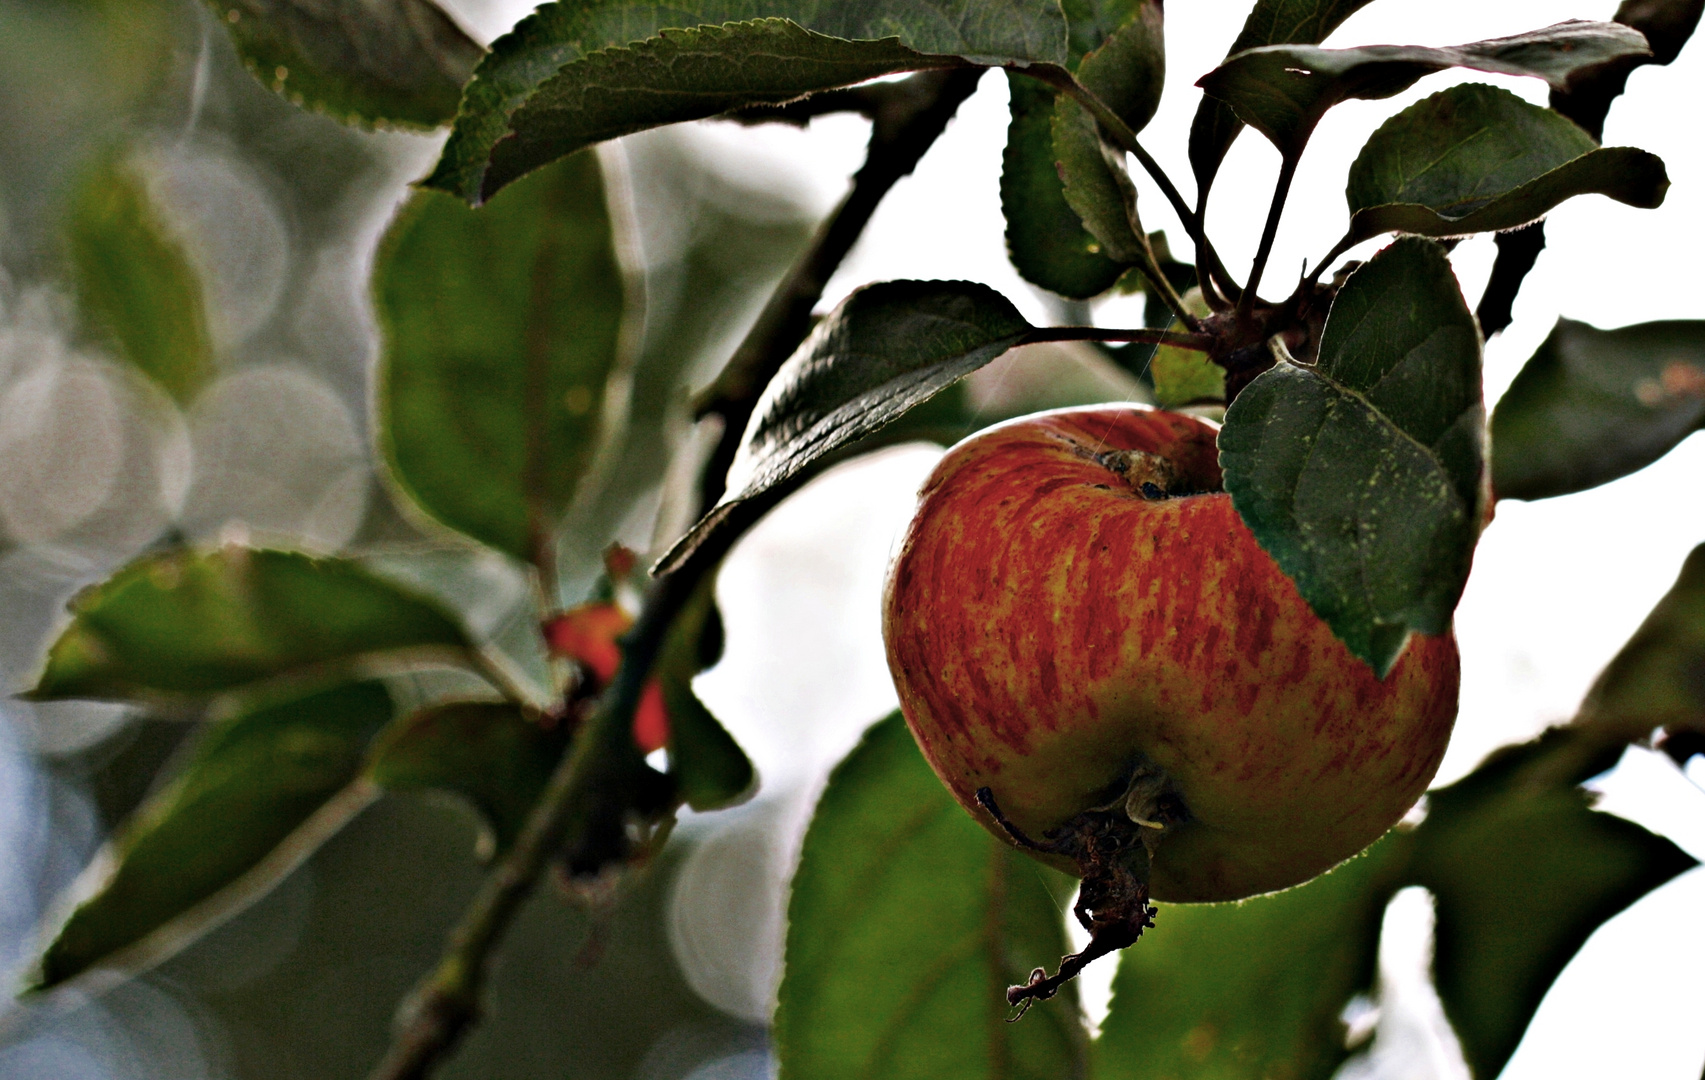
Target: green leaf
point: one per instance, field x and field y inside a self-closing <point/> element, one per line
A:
<point x="1044" y="236"/>
<point x="709" y="768"/>
<point x="501" y="328"/>
<point x="1271" y="22"/>
<point x="1475" y="158"/>
<point x="573" y="73"/>
<point x="262" y="788"/>
<point x="1095" y="183"/>
<point x="1127" y="70"/>
<point x="1282" y="91"/>
<point x="1521" y="873"/>
<point x="1185" y="377"/>
<point x="488" y="752"/>
<point x="906" y="924"/>
<point x="1255" y="988"/>
<point x="1361" y="474"/>
<point x="1594" y="405"/>
<point x="1658" y="678"/>
<point x="887" y="348"/>
<point x="191" y="623"/>
<point x="401" y="62"/>
<point x="136" y="286"/>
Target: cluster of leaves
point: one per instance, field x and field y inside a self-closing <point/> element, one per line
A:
<point x="1353" y="446"/>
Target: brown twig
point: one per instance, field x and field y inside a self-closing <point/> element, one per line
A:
<point x="442" y="1009"/>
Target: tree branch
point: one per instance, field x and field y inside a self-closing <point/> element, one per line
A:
<point x="1143" y="334"/>
<point x="448" y="1002"/>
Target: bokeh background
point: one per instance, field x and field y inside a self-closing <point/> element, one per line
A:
<point x="281" y="210"/>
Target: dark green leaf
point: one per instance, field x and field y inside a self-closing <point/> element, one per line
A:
<point x="1127" y="70"/>
<point x="488" y="752"/>
<point x="1095" y="183"/>
<point x="400" y="62"/>
<point x="262" y="788"/>
<point x="885" y="349"/>
<point x="1044" y="236"/>
<point x="1667" y="24"/>
<point x="1125" y="65"/>
<point x="573" y="73"/>
<point x="135" y="284"/>
<point x="1271" y="22"/>
<point x="1658" y="679"/>
<point x="709" y="768"/>
<point x="1361" y="474"/>
<point x="906" y="925"/>
<point x="1255" y="988"/>
<point x="186" y="623"/>
<point x="1282" y="91"/>
<point x="1594" y="405"/>
<point x="1475" y="158"/>
<point x="501" y="326"/>
<point x="1521" y="873"/>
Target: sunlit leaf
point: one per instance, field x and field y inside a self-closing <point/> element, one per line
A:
<point x="1283" y="90"/>
<point x="1271" y="22"/>
<point x="1185" y="377"/>
<point x="401" y="62"/>
<point x="1594" y="405"/>
<point x="136" y="286"/>
<point x="1522" y="871"/>
<point x="886" y="348"/>
<point x="188" y="623"/>
<point x="501" y="327"/>
<point x="1361" y="474"/>
<point x="573" y="73"/>
<point x="907" y="922"/>
<point x="1255" y="988"/>
<point x="262" y="788"/>
<point x="487" y="752"/>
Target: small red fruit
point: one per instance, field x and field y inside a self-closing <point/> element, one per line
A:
<point x="1080" y="623"/>
<point x="590" y="635"/>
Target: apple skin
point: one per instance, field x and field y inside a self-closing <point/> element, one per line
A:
<point x="1048" y="626"/>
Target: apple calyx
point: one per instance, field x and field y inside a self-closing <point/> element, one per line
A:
<point x="1112" y="845"/>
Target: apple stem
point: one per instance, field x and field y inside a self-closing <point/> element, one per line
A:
<point x="1112" y="853"/>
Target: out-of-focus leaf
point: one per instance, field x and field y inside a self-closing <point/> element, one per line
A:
<point x="572" y="73"/>
<point x="885" y="349"/>
<point x="186" y="623"/>
<point x="1522" y="871"/>
<point x="1255" y="988"/>
<point x="907" y="923"/>
<point x="1361" y="474"/>
<point x="1271" y="22"/>
<point x="1658" y="679"/>
<point x="488" y="752"/>
<point x="1282" y="91"/>
<point x="262" y="788"/>
<point x="1095" y="183"/>
<point x="1475" y="158"/>
<point x="1185" y="377"/>
<point x="502" y="326"/>
<point x="400" y="62"/>
<point x="1127" y="70"/>
<point x="709" y="768"/>
<point x="135" y="284"/>
<point x="1045" y="237"/>
<point x="1594" y="405"/>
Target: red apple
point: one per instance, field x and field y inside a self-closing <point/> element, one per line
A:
<point x="1076" y="603"/>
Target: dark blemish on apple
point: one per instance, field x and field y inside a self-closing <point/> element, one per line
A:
<point x="1152" y="491"/>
